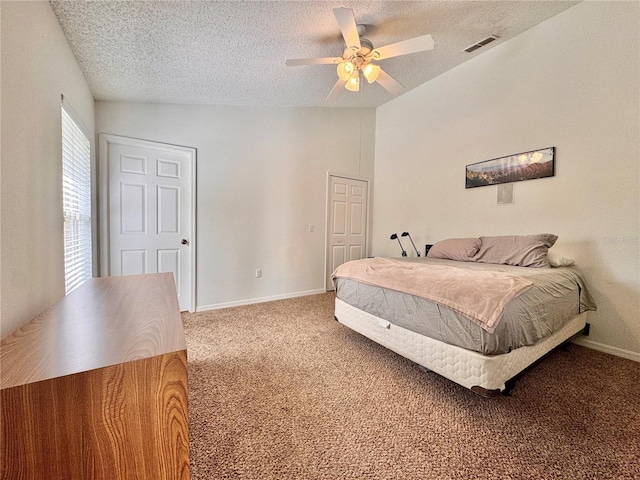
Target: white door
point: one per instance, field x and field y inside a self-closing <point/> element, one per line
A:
<point x="150" y="210"/>
<point x="347" y="222"/>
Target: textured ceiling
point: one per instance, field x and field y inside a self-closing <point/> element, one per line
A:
<point x="233" y="52"/>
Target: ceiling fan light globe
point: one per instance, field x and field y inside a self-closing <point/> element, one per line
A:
<point x="371" y="72"/>
<point x="353" y="85"/>
<point x="345" y="70"/>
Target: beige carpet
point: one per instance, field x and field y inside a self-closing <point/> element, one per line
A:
<point x="281" y="390"/>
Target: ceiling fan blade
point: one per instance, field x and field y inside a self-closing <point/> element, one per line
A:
<point x="389" y="83"/>
<point x="413" y="45"/>
<point x="294" y="62"/>
<point x="336" y="91"/>
<point x="347" y="23"/>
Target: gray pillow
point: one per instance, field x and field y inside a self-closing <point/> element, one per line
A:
<point x="461" y="249"/>
<point x="519" y="250"/>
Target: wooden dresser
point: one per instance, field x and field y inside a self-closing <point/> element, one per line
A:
<point x="96" y="386"/>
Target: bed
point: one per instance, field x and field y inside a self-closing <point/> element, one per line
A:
<point x="476" y="311"/>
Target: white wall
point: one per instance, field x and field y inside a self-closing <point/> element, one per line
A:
<point x="261" y="181"/>
<point x="37" y="67"/>
<point x="571" y="82"/>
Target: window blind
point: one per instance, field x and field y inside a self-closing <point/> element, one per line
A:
<point x="76" y="199"/>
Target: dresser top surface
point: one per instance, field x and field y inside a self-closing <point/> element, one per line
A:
<point x="106" y="321"/>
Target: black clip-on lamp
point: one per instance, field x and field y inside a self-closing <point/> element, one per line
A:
<point x="395" y="237"/>
<point x="406" y="234"/>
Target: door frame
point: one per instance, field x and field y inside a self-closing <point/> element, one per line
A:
<point x="327" y="219"/>
<point x="106" y="139"/>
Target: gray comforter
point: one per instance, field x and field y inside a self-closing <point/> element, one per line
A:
<point x="557" y="295"/>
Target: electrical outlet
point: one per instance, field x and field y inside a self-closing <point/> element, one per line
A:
<point x="311" y="227"/>
<point x="258" y="272"/>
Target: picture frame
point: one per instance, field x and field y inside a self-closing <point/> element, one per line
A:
<point x="512" y="168"/>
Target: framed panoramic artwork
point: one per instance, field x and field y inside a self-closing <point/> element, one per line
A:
<point x="513" y="168"/>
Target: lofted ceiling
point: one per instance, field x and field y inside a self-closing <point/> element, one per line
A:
<point x="234" y="52"/>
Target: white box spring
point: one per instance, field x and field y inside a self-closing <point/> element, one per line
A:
<point x="465" y="367"/>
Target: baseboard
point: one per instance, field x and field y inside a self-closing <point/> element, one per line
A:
<point x="601" y="347"/>
<point x="250" y="301"/>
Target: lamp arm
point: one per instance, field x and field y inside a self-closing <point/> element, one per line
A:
<point x="414" y="245"/>
<point x="407" y="234"/>
<point x="395" y="237"/>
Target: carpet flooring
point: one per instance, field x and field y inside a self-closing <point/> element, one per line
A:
<point x="280" y="390"/>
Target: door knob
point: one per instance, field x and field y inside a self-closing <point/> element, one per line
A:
<point x="184" y="241"/>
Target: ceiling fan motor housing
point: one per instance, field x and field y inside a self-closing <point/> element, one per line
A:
<point x="359" y="57"/>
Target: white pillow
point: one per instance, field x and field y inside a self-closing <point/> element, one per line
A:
<point x="557" y="261"/>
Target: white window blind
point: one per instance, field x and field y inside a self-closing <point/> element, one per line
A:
<point x="76" y="199"/>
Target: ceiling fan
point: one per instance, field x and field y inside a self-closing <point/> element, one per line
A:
<point x="359" y="56"/>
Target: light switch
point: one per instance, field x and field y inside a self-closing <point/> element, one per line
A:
<point x="311" y="227"/>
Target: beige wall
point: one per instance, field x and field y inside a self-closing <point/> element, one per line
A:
<point x="571" y="82"/>
<point x="261" y="181"/>
<point x="37" y="67"/>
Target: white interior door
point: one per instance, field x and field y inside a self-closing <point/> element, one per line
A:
<point x="150" y="210"/>
<point x="347" y="222"/>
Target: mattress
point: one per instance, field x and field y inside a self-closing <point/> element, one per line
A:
<point x="557" y="296"/>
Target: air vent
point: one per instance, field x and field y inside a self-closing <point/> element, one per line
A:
<point x="481" y="43"/>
